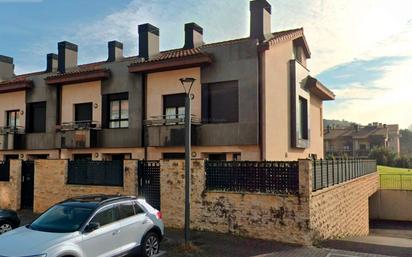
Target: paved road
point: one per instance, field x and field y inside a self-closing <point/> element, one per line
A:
<point x="208" y="244"/>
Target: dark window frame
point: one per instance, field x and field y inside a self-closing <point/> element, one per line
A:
<point x="31" y="120"/>
<point x="118" y="97"/>
<point x="8" y="113"/>
<point x="304" y="118"/>
<point x="76" y="112"/>
<point x="175" y="101"/>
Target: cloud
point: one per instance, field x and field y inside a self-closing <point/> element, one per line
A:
<point x="361" y="49"/>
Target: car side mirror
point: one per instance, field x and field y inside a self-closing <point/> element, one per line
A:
<point x="91" y="227"/>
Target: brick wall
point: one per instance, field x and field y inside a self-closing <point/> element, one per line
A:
<point x="10" y="192"/>
<point x="343" y="210"/>
<point x="335" y="212"/>
<point x="264" y="216"/>
<point x="50" y="184"/>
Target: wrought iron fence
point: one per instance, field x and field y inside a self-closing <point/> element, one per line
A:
<point x="327" y="173"/>
<point x="95" y="173"/>
<point x="396" y="181"/>
<point x="5" y="171"/>
<point x="262" y="177"/>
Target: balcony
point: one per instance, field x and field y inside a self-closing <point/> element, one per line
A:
<point x="77" y="135"/>
<point x="165" y="130"/>
<point x="11" y="138"/>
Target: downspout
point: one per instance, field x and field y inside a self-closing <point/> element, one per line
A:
<point x="144" y="107"/>
<point x="260" y="95"/>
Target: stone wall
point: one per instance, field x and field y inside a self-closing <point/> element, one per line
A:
<point x="50" y="184"/>
<point x="10" y="192"/>
<point x="335" y="212"/>
<point x="264" y="216"/>
<point x="343" y="210"/>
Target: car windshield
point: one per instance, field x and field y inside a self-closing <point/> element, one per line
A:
<point x="62" y="219"/>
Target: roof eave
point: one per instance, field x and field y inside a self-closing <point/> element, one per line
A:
<point x="15" y="86"/>
<point x="171" y="64"/>
<point x="318" y="89"/>
<point x="79" y="77"/>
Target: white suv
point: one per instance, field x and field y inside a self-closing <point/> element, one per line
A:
<point x="89" y="226"/>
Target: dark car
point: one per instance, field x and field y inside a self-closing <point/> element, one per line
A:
<point x="8" y="221"/>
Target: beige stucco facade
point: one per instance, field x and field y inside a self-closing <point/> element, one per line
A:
<point x="89" y="92"/>
<point x="277" y="108"/>
<point x="248" y="153"/>
<point x="31" y="154"/>
<point x="167" y="83"/>
<point x="99" y="154"/>
<point x="13" y="101"/>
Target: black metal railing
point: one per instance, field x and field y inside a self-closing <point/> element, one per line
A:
<point x="395" y="181"/>
<point x="169" y="120"/>
<point x="4" y="171"/>
<point x="95" y="173"/>
<point x="12" y="130"/>
<point x="327" y="173"/>
<point x="79" y="125"/>
<point x="259" y="177"/>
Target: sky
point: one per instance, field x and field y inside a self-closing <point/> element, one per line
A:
<point x="362" y="50"/>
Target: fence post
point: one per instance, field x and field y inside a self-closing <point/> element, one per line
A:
<point x="305" y="178"/>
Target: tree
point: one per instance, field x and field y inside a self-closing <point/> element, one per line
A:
<point x="383" y="156"/>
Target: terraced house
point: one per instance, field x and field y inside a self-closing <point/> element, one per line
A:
<point x="253" y="99"/>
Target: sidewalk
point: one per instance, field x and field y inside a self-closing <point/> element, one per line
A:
<point x="222" y="245"/>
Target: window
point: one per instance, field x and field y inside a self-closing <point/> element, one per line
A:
<point x="303" y="118"/>
<point x="220" y="102"/>
<point x="106" y="217"/>
<point x="126" y="210"/>
<point x="36" y="116"/>
<point x="138" y="209"/>
<point x="82" y="157"/>
<point x="173" y="156"/>
<point x="119" y="114"/>
<point x="217" y="157"/>
<point x="237" y="157"/>
<point x="83" y="112"/>
<point x="174" y="106"/>
<point x="13" y="118"/>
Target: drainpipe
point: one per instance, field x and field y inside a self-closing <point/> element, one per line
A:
<point x="260" y="95"/>
<point x="144" y="100"/>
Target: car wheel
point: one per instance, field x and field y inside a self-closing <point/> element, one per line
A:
<point x="5" y="226"/>
<point x="150" y="245"/>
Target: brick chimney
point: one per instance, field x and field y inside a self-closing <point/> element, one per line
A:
<point x="6" y="68"/>
<point x="148" y="41"/>
<point x="260" y="19"/>
<point x="52" y="62"/>
<point x="193" y="35"/>
<point x="115" y="51"/>
<point x="67" y="56"/>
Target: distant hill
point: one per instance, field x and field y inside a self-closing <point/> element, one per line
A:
<point x="337" y="123"/>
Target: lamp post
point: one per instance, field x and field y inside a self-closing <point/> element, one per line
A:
<point x="187" y="84"/>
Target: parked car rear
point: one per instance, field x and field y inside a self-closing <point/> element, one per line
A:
<point x="8" y="221"/>
<point x="89" y="226"/>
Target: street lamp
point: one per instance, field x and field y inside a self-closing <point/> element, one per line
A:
<point x="187" y="84"/>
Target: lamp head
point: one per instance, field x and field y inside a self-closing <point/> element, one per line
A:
<point x="187" y="84"/>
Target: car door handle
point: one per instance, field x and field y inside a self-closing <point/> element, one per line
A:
<point x="116" y="232"/>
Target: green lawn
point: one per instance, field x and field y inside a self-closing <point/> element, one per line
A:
<point x="395" y="178"/>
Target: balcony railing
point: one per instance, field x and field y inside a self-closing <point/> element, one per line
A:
<point x="11" y="130"/>
<point x="79" y="125"/>
<point x="170" y="120"/>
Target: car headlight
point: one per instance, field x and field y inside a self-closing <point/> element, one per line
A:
<point x="37" y="255"/>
